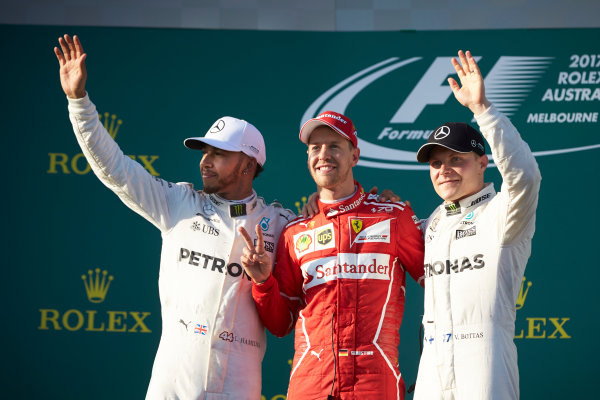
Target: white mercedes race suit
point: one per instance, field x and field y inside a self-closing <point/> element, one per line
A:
<point x="212" y="341"/>
<point x="475" y="256"/>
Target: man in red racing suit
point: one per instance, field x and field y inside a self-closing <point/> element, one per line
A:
<point x="340" y="278"/>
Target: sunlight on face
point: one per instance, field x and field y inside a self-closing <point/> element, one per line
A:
<point x="456" y="175"/>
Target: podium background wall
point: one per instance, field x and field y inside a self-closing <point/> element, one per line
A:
<point x="168" y="84"/>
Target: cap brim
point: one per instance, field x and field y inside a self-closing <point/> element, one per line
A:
<point x="198" y="143"/>
<point x="312" y="124"/>
<point x="425" y="151"/>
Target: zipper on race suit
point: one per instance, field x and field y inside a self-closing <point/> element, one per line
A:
<point x="330" y="396"/>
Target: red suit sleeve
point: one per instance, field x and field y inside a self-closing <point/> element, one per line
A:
<point x="280" y="298"/>
<point x="411" y="248"/>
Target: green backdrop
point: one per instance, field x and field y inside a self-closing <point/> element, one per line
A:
<point x="155" y="87"/>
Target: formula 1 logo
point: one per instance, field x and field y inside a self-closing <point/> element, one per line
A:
<point x="406" y="114"/>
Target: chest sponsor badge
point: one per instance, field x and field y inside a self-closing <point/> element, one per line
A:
<point x="463" y="233"/>
<point x="324" y="236"/>
<point x="452" y="208"/>
<point x="237" y="210"/>
<point x="303" y="243"/>
<point x="358" y="266"/>
<point x="356" y="224"/>
<point x="320" y="238"/>
<point x="369" y="230"/>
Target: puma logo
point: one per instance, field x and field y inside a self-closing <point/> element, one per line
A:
<point x="318" y="355"/>
<point x="184" y="324"/>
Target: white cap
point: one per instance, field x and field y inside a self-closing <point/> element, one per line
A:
<point x="232" y="134"/>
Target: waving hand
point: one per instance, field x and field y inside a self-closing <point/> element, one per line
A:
<point x="71" y="59"/>
<point x="471" y="91"/>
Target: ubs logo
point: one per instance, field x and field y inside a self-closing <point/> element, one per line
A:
<point x="207" y="229"/>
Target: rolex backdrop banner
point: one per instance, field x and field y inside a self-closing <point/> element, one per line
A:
<point x="80" y="297"/>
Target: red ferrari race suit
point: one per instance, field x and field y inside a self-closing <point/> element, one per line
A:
<point x="340" y="278"/>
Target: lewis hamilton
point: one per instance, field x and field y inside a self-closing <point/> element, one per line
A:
<point x="212" y="341"/>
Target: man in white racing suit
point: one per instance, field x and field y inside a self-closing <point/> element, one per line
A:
<point x="212" y="342"/>
<point x="476" y="247"/>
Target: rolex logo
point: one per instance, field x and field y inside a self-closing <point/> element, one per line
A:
<point x="111" y="124"/>
<point x="96" y="320"/>
<point x="523" y="294"/>
<point x="539" y="327"/>
<point x="63" y="163"/>
<point x="299" y="204"/>
<point x="96" y="287"/>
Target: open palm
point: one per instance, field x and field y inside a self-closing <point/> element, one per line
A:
<point x="471" y="91"/>
<point x="71" y="59"/>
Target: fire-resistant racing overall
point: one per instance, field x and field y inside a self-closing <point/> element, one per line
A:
<point x="476" y="250"/>
<point x="340" y="279"/>
<point x="212" y="341"/>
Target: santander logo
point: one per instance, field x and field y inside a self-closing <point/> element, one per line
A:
<point x="346" y="266"/>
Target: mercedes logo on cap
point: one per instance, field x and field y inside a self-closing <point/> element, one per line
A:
<point x="441" y="133"/>
<point x="218" y="126"/>
<point x="473" y="143"/>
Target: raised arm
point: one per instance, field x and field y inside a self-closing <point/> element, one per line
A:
<point x="143" y="193"/>
<point x="520" y="172"/>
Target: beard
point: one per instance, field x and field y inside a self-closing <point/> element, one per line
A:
<point x="208" y="188"/>
<point x="219" y="182"/>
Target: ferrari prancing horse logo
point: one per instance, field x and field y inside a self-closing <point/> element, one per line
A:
<point x="357" y="225"/>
